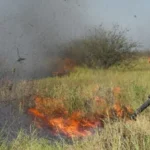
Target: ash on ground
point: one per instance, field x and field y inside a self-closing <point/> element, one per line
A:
<point x="12" y="122"/>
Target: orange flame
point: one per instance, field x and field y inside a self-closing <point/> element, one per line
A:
<point x="52" y="114"/>
<point x="148" y="59"/>
<point x="116" y="91"/>
<point x="73" y="126"/>
<point x="64" y="67"/>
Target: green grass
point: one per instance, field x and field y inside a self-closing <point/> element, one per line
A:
<point x="80" y="86"/>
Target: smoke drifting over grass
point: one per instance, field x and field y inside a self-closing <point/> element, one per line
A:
<point x="37" y="28"/>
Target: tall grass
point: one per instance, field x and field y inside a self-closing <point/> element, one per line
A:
<point x="80" y="86"/>
<point x="116" y="136"/>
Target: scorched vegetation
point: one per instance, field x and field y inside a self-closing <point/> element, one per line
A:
<point x="85" y="105"/>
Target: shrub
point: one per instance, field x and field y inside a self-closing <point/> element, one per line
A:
<point x="103" y="49"/>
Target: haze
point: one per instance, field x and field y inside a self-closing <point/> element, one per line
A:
<point x="38" y="27"/>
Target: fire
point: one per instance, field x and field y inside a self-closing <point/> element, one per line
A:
<point x="64" y="67"/>
<point x="116" y="91"/>
<point x="148" y="59"/>
<point x="122" y="111"/>
<point x="70" y="126"/>
<point x="51" y="113"/>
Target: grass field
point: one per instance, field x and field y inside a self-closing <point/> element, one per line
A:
<point x="75" y="89"/>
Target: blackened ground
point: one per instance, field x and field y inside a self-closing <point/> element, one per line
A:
<point x="12" y="122"/>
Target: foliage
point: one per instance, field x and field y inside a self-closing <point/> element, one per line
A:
<point x="103" y="48"/>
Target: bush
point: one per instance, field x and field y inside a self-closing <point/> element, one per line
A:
<point x="103" y="49"/>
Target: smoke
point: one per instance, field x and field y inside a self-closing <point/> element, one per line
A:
<point x="36" y="28"/>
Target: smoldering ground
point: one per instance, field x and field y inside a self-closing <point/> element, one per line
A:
<point x="37" y="28"/>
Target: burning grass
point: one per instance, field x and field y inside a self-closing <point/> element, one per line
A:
<point x="51" y="113"/>
<point x="82" y="94"/>
<point x="64" y="67"/>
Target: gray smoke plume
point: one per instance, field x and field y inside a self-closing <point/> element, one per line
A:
<point x="36" y="28"/>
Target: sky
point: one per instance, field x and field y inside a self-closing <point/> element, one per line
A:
<point x="122" y="12"/>
<point x="37" y="27"/>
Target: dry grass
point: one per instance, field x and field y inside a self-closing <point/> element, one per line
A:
<point x="81" y="85"/>
<point x="116" y="136"/>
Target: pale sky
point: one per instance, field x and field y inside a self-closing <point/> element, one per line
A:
<point x="122" y="12"/>
<point x="37" y="27"/>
